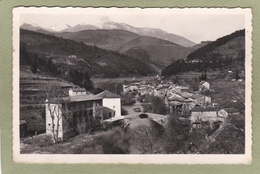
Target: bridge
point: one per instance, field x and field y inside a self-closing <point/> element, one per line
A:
<point x="160" y="119"/>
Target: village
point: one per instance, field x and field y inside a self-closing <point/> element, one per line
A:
<point x="195" y="106"/>
<point x="84" y="113"/>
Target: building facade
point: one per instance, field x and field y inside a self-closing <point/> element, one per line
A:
<point x="63" y="114"/>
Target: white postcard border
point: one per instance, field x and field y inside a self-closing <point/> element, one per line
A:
<point x="132" y="159"/>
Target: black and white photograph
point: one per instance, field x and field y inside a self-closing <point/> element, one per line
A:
<point x="132" y="85"/>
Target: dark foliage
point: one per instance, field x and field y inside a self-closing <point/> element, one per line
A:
<point x="204" y="65"/>
<point x="37" y="62"/>
<point x="113" y="142"/>
<point x="81" y="79"/>
<point x="127" y="99"/>
<point x="155" y="105"/>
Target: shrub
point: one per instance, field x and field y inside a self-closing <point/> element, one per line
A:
<point x="113" y="142"/>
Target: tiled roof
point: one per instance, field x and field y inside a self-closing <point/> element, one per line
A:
<point x="200" y="109"/>
<point x="78" y="98"/>
<point x="107" y="94"/>
<point x="231" y="110"/>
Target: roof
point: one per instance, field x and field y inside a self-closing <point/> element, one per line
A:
<point x="76" y="98"/>
<point x="202" y="82"/>
<point x="200" y="109"/>
<point x="231" y="110"/>
<point x="107" y="94"/>
<point x="78" y="89"/>
<point x="152" y="115"/>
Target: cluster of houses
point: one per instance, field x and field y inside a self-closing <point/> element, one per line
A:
<point x="193" y="106"/>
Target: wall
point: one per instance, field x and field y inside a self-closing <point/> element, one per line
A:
<point x="113" y="103"/>
<point x="72" y="93"/>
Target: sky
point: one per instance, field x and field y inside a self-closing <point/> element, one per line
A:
<point x="194" y="24"/>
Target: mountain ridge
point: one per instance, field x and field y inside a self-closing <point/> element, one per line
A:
<point x="145" y="31"/>
<point x="160" y="52"/>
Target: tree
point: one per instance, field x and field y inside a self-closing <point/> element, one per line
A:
<point x="81" y="79"/>
<point x="55" y="105"/>
<point x="34" y="66"/>
<point x="25" y="57"/>
<point x="155" y="105"/>
<point x="81" y="128"/>
<point x="147" y="140"/>
<point x="177" y="135"/>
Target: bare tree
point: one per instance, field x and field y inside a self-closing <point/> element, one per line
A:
<point x="147" y="140"/>
<point x="54" y="108"/>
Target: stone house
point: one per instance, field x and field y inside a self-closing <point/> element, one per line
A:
<point x="203" y="114"/>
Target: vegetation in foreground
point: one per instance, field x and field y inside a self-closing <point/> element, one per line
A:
<point x="176" y="138"/>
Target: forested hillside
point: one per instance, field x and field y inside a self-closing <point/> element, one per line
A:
<point x="65" y="55"/>
<point x="225" y="52"/>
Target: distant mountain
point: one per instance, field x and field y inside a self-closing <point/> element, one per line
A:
<point x="80" y="27"/>
<point x="96" y="61"/>
<point x="153" y="32"/>
<point x="106" y="39"/>
<point x="35" y="27"/>
<point x="159" y="52"/>
<point x="229" y="46"/>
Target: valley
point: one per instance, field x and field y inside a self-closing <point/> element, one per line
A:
<point x="108" y="80"/>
